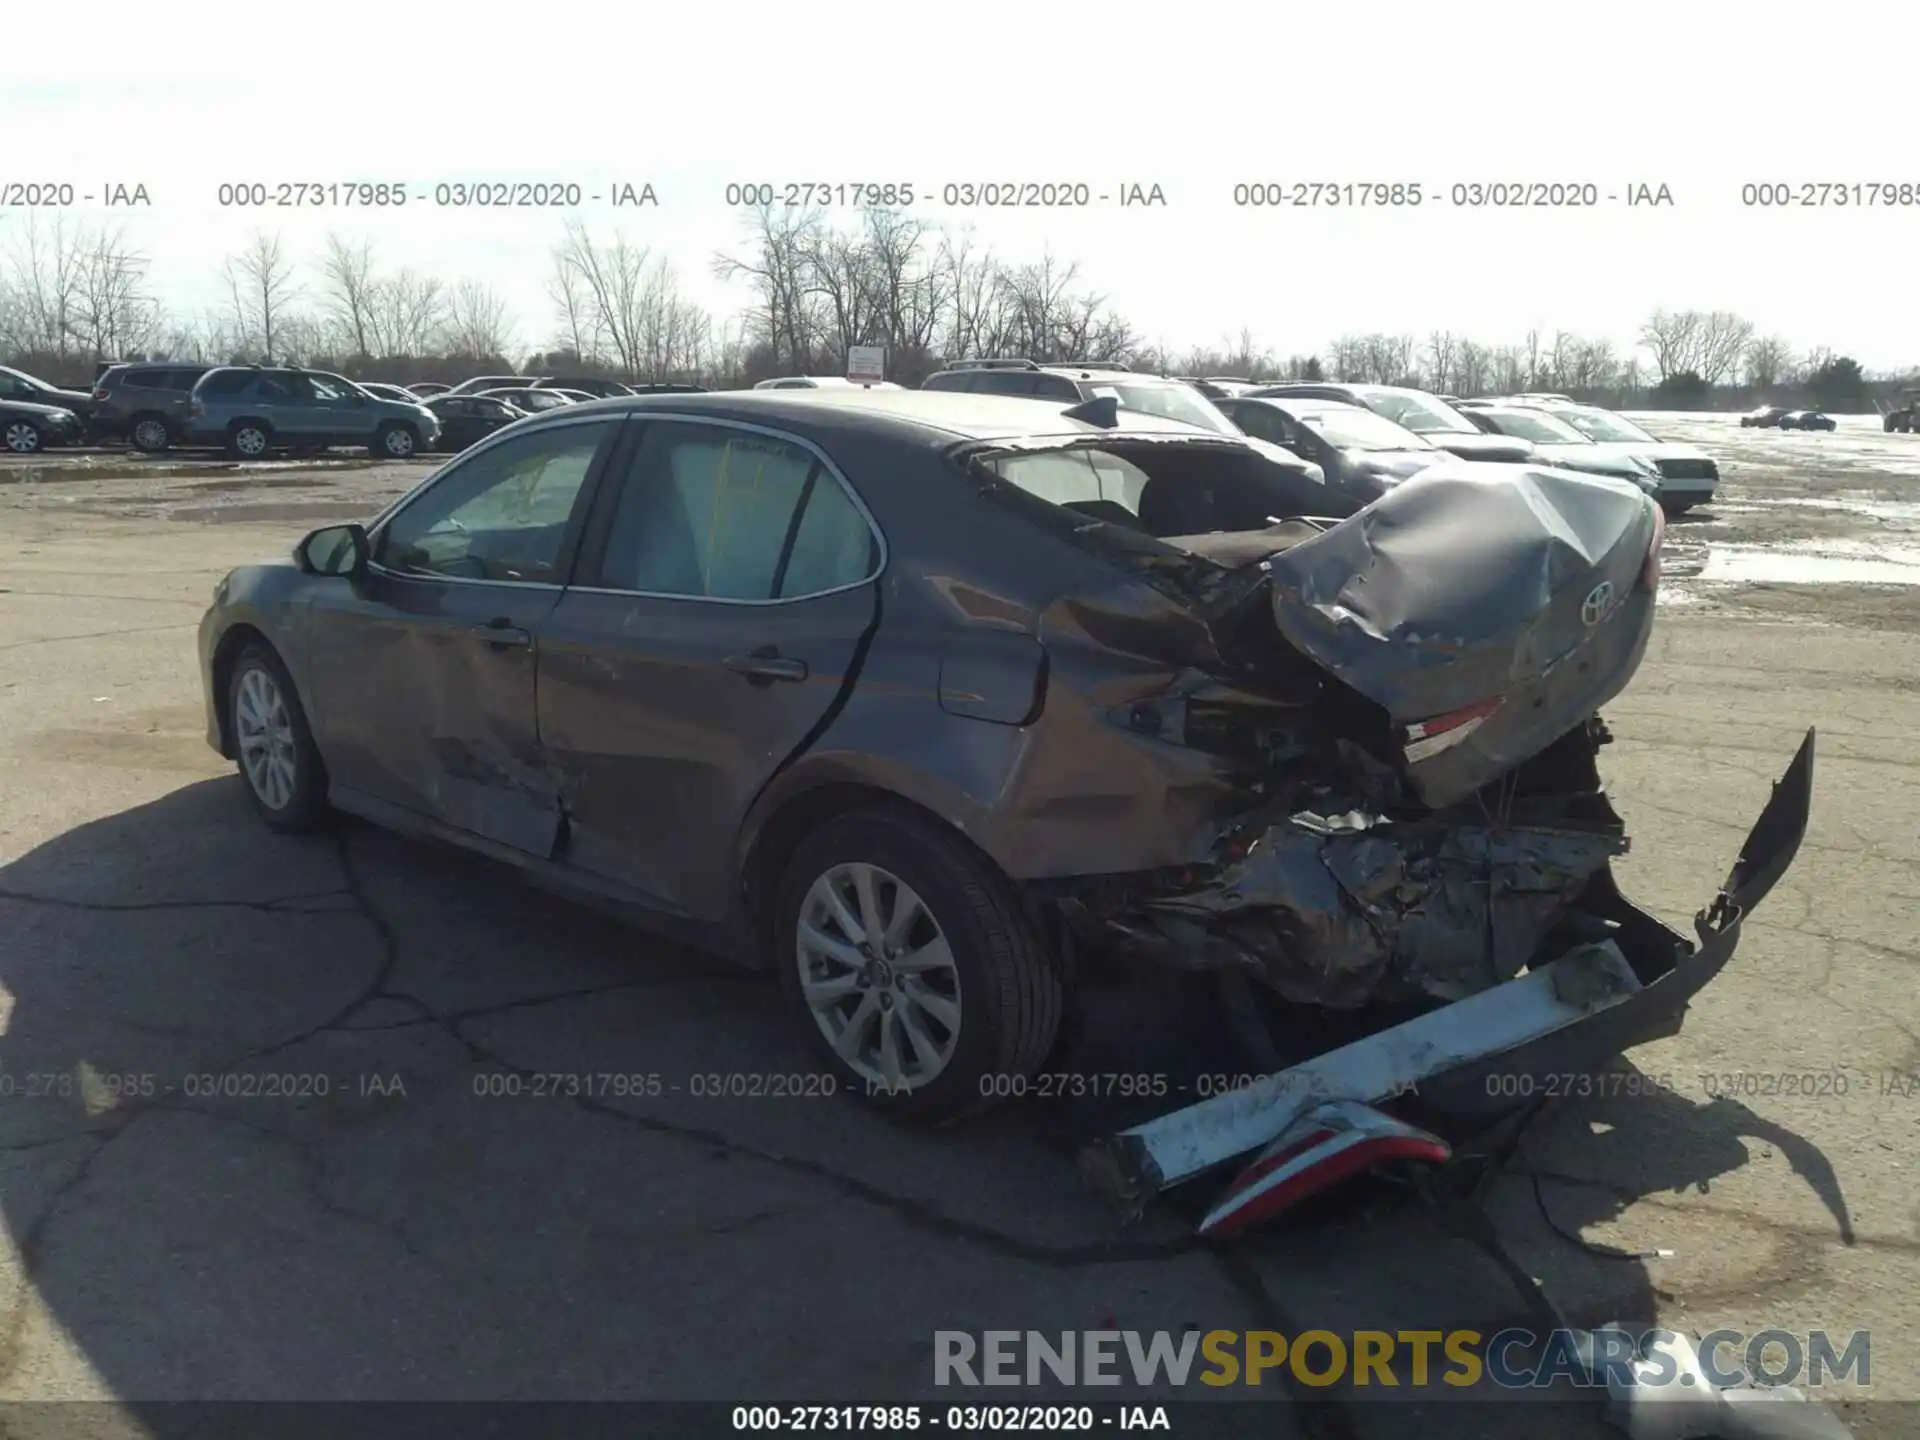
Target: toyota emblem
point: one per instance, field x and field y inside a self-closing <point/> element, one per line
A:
<point x="1598" y="604"/>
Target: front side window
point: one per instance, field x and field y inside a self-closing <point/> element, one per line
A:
<point x="500" y="515"/>
<point x="723" y="514"/>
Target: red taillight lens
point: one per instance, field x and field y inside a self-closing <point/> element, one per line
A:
<point x="1441" y="732"/>
<point x="1650" y="572"/>
<point x="100" y="394"/>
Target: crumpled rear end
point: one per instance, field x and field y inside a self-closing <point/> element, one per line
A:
<point x="1487" y="609"/>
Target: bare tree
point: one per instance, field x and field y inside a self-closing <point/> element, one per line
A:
<point x="350" y="291"/>
<point x="408" y="313"/>
<point x="477" y="324"/>
<point x="1723" y="340"/>
<point x="261" y="282"/>
<point x="779" y="275"/>
<point x="1672" y="338"/>
<point x="1768" y="359"/>
<point x="116" y="316"/>
<point x="47" y="267"/>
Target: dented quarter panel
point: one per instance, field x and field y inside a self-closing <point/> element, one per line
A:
<point x="1468" y="583"/>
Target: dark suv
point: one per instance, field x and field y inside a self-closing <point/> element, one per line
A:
<point x="252" y="409"/>
<point x="1150" y="394"/>
<point x="144" y="402"/>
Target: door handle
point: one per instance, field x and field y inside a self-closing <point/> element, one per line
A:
<point x="500" y="635"/>
<point x="766" y="665"/>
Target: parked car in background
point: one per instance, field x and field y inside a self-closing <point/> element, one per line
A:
<point x="144" y="403"/>
<point x="529" y="400"/>
<point x="252" y="410"/>
<point x="1147" y="394"/>
<point x="823" y="382"/>
<point x="1558" y="444"/>
<point x="1767" y="417"/>
<point x="579" y="397"/>
<point x="1807" y="420"/>
<point x="1428" y="416"/>
<point x="597" y="386"/>
<point x="1217" y="387"/>
<point x="32" y="390"/>
<point x="27" y="429"/>
<point x="1688" y="475"/>
<point x="1361" y="454"/>
<point x="425" y="388"/>
<point x="468" y="419"/>
<point x="488" y="382"/>
<point x="381" y="390"/>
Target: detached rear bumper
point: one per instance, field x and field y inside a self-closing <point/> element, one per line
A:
<point x="1462" y="1066"/>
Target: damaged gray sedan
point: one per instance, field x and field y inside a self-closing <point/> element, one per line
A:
<point x="928" y="701"/>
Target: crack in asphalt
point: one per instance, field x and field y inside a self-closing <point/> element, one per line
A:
<point x="97" y="635"/>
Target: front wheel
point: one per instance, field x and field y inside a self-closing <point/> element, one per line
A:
<point x="914" y="968"/>
<point x="23" y="437"/>
<point x="249" y="440"/>
<point x="278" y="761"/>
<point x="395" y="441"/>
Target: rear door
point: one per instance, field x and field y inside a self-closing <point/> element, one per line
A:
<point x="423" y="670"/>
<point x="724" y="592"/>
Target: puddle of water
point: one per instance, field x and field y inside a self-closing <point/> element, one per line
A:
<point x="1832" y="564"/>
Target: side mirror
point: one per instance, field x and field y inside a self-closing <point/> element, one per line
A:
<point x="340" y="550"/>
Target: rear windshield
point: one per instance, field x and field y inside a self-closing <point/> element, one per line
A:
<point x="1420" y="414"/>
<point x="1541" y="429"/>
<point x="1170" y="402"/>
<point x="1602" y="425"/>
<point x="1164" y="488"/>
<point x="1360" y="430"/>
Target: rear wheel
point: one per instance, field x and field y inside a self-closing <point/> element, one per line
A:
<point x="150" y="434"/>
<point x="914" y="968"/>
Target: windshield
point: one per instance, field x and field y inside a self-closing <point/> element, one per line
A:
<point x="1600" y="425"/>
<point x="1170" y="402"/>
<point x="1361" y="430"/>
<point x="1419" y="413"/>
<point x="1541" y="429"/>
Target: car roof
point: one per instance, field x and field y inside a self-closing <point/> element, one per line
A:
<point x="934" y="417"/>
<point x="1302" y="404"/>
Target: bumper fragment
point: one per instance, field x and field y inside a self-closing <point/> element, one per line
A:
<point x="1465" y="1063"/>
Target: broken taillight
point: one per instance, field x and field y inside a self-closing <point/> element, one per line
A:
<point x="1650" y="572"/>
<point x="1442" y="732"/>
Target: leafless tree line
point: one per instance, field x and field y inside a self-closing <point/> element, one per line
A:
<point x="71" y="293"/>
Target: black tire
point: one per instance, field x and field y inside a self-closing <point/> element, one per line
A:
<point x="1011" y="984"/>
<point x="22" y="437"/>
<point x="1676" y="508"/>
<point x="306" y="802"/>
<point x="242" y="443"/>
<point x="395" y="440"/>
<point x="150" y="434"/>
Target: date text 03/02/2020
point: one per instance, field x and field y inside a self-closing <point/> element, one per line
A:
<point x="1462" y="195"/>
<point x="949" y="195"/>
<point x="963" y="1419"/>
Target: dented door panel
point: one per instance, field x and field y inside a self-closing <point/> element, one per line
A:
<point x="423" y="696"/>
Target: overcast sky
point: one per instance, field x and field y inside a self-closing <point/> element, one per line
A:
<point x="1702" y="98"/>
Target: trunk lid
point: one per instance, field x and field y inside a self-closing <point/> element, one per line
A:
<point x="1487" y="610"/>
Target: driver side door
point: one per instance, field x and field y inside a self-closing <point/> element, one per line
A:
<point x="423" y="691"/>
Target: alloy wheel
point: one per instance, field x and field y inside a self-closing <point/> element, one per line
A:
<point x="263" y="726"/>
<point x="400" y="442"/>
<point x="150" y="435"/>
<point x="878" y="976"/>
<point x="22" y="438"/>
<point x="250" y="441"/>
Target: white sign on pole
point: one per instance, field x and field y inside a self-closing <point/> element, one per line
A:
<point x="866" y="364"/>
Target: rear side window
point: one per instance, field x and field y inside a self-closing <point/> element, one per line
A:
<point x="1009" y="382"/>
<point x="226" y="382"/>
<point x="722" y="514"/>
<point x="140" y="379"/>
<point x="1056" y="387"/>
<point x="949" y="380"/>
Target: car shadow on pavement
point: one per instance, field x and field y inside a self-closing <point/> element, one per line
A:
<point x="346" y="1116"/>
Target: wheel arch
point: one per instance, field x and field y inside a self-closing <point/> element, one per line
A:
<point x="226" y="654"/>
<point x="777" y="832"/>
